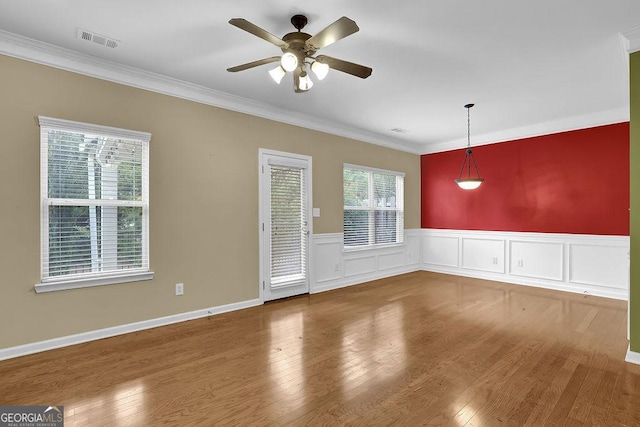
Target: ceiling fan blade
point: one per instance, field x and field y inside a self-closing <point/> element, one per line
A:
<point x="345" y="66"/>
<point x="340" y="29"/>
<point x="243" y="24"/>
<point x="254" y="64"/>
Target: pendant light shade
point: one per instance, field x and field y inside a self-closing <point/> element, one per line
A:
<point x="469" y="182"/>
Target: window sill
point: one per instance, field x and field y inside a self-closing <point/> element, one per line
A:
<point x="63" y="285"/>
<point x="372" y="247"/>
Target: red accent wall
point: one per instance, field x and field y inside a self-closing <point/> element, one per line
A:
<point x="573" y="182"/>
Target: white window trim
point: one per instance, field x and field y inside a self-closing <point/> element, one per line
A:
<point x="378" y="245"/>
<point x="51" y="284"/>
<point x="374" y="170"/>
<point x="72" y="126"/>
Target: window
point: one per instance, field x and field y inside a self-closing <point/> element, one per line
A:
<point x="373" y="207"/>
<point x="94" y="205"/>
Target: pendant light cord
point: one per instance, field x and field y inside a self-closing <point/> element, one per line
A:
<point x="469" y="142"/>
<point x="475" y="166"/>
<point x="468" y="127"/>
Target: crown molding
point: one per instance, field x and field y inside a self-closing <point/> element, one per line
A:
<point x="65" y="59"/>
<point x="563" y="125"/>
<point x="632" y="35"/>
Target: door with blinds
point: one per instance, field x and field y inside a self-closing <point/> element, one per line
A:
<point x="285" y="226"/>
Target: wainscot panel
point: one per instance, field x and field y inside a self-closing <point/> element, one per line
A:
<point x="332" y="267"/>
<point x="536" y="259"/>
<point x="439" y="250"/>
<point x="599" y="265"/>
<point x="483" y="254"/>
<point x="589" y="264"/>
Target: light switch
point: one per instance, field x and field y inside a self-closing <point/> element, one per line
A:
<point x="316" y="212"/>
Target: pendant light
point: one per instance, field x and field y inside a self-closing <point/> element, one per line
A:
<point x="469" y="182"/>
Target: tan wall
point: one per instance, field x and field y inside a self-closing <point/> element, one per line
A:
<point x="203" y="195"/>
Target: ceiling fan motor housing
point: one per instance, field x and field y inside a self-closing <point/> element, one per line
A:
<point x="297" y="46"/>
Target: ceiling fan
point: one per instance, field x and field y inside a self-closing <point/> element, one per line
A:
<point x="299" y="49"/>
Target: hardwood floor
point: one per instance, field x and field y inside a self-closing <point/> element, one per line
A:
<point x="416" y="349"/>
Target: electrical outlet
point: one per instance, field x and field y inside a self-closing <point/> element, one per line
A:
<point x="495" y="260"/>
<point x="520" y="263"/>
<point x="337" y="267"/>
<point x="179" y="288"/>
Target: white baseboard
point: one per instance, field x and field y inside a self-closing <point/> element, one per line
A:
<point x="632" y="357"/>
<point x="343" y="283"/>
<point x="602" y="292"/>
<point x="36" y="347"/>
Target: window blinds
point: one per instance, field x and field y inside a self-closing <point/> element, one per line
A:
<point x="288" y="224"/>
<point x="94" y="187"/>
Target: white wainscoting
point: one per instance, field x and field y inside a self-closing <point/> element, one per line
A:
<point x="597" y="265"/>
<point x="332" y="267"/>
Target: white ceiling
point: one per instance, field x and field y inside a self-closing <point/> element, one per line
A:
<point x="530" y="67"/>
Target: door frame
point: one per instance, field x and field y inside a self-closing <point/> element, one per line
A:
<point x="262" y="214"/>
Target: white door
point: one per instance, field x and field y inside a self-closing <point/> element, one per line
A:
<point x="285" y="226"/>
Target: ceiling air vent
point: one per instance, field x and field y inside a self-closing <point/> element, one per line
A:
<point x="97" y="38"/>
<point x="400" y="130"/>
<point x="86" y="35"/>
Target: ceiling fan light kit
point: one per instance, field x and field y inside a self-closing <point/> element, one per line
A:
<point x="277" y="74"/>
<point x="320" y="70"/>
<point x="289" y="61"/>
<point x="305" y="82"/>
<point x="299" y="49"/>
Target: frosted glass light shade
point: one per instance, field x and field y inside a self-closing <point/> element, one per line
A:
<point x="277" y="74"/>
<point x="289" y="61"/>
<point x="320" y="70"/>
<point x="305" y="82"/>
<point x="469" y="183"/>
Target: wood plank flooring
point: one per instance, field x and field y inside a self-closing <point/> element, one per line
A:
<point x="416" y="349"/>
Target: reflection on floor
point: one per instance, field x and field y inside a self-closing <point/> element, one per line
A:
<point x="421" y="348"/>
